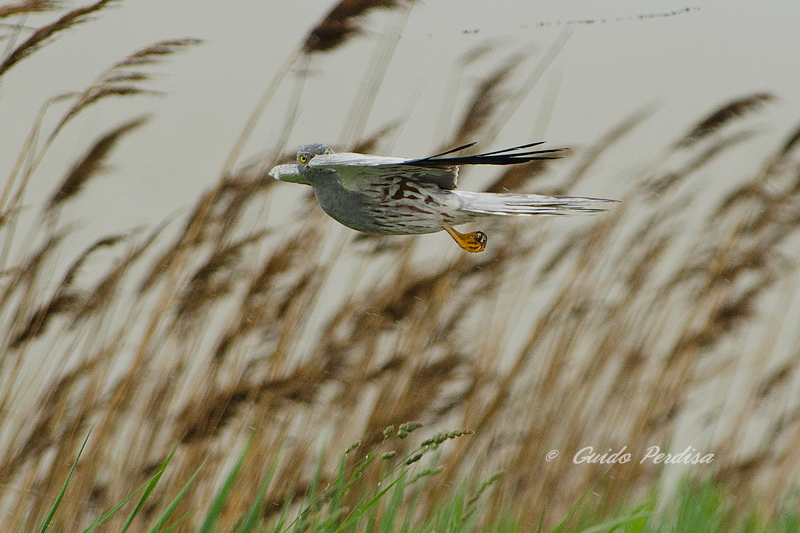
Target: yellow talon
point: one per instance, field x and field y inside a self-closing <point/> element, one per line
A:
<point x="472" y="242"/>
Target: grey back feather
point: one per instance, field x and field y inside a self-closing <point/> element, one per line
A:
<point x="359" y="171"/>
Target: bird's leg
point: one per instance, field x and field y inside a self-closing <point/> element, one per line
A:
<point x="472" y="242"/>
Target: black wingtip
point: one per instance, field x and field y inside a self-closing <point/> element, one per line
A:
<point x="521" y="147"/>
<point x="507" y="156"/>
<point x="452" y="150"/>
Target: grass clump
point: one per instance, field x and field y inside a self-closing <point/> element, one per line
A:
<point x="345" y="503"/>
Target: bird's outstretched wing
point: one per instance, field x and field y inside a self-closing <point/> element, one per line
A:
<point x="358" y="171"/>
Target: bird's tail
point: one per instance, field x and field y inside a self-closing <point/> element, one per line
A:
<point x="485" y="203"/>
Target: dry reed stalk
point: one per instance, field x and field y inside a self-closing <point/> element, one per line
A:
<point x="119" y="80"/>
<point x="506" y="113"/>
<point x="453" y="86"/>
<point x="47" y="33"/>
<point x="62" y="303"/>
<point x="214" y="279"/>
<point x="77" y="264"/>
<point x="788" y="146"/>
<point x="192" y="236"/>
<point x="709" y="155"/>
<point x="27" y="273"/>
<point x="367" y="93"/>
<point x="591" y="155"/>
<point x="235" y="195"/>
<point x="490" y="93"/>
<point x="103" y="293"/>
<point x="513" y="178"/>
<point x="369" y="144"/>
<point x="8" y="210"/>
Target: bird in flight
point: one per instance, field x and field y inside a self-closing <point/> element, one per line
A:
<point x="399" y="196"/>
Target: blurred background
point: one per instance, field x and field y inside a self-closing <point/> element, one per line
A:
<point x="161" y="289"/>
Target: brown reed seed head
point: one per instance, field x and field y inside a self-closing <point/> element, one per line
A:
<point x="341" y="23"/>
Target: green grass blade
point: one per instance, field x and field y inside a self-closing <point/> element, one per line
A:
<point x="64" y="487"/>
<point x="164" y="517"/>
<point x="150" y="486"/>
<point x="209" y="524"/>
<point x="541" y="519"/>
<point x="253" y="516"/>
<point x="561" y="525"/>
<point x="360" y="510"/>
<point x="177" y="523"/>
<point x="392" y="509"/>
<point x="283" y="524"/>
<point x="97" y="523"/>
<point x="611" y="525"/>
<point x="312" y="499"/>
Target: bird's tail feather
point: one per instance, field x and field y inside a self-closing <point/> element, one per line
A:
<point x="528" y="204"/>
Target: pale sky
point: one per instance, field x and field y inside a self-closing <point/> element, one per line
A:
<point x="686" y="64"/>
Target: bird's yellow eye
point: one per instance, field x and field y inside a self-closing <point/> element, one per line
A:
<point x="303" y="159"/>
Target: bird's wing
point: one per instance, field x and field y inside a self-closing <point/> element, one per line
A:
<point x="358" y="170"/>
<point x="288" y="173"/>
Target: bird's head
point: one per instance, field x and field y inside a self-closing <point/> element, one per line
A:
<point x="307" y="152"/>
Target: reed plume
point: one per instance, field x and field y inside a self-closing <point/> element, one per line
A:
<point x="91" y="164"/>
<point x="341" y="23"/>
<point x="45" y="34"/>
<point x="733" y="110"/>
<point x="27" y="6"/>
